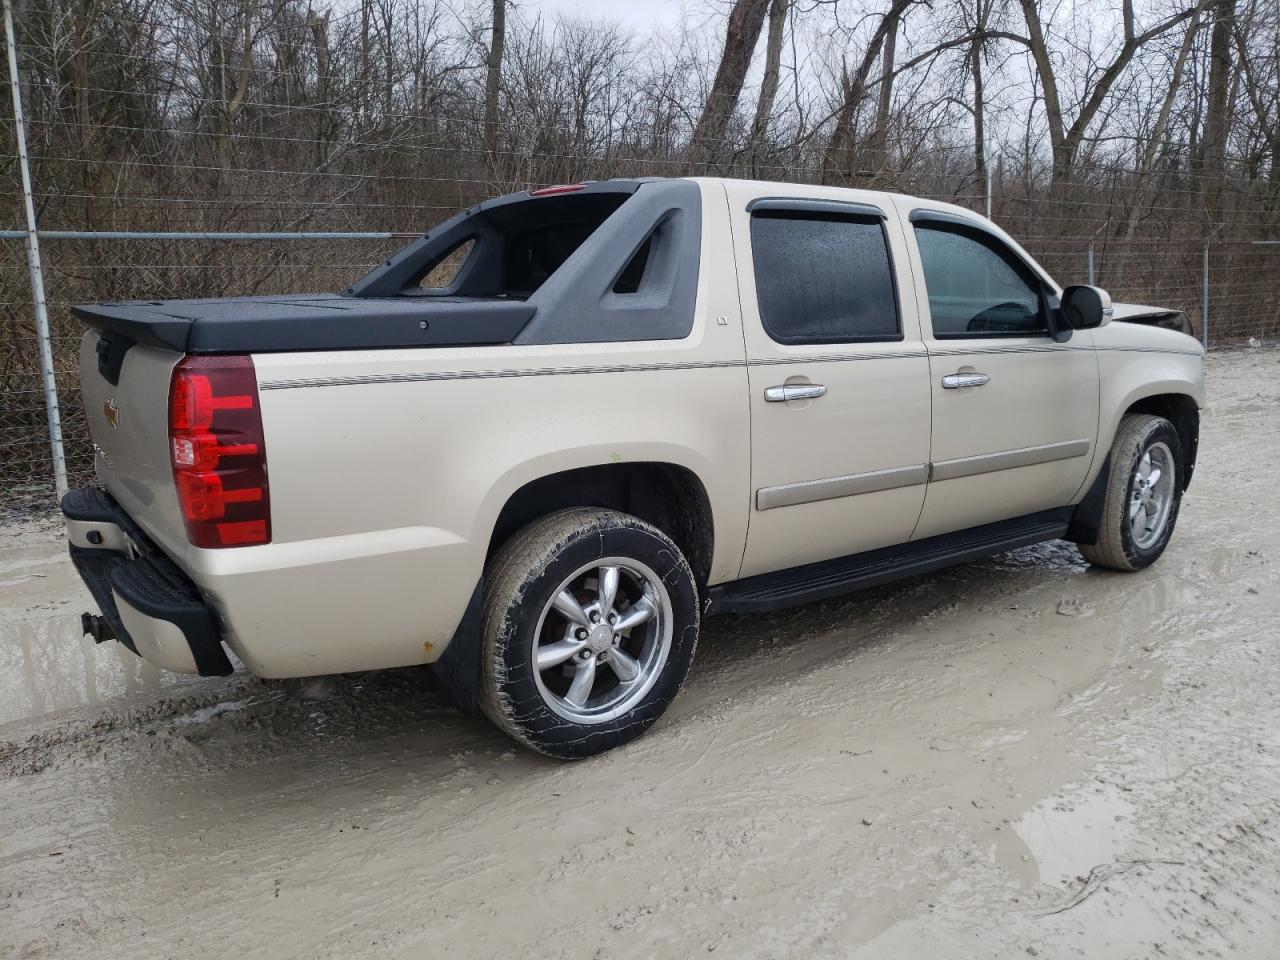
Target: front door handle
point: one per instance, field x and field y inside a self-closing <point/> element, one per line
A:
<point x="794" y="391"/>
<point x="956" y="381"/>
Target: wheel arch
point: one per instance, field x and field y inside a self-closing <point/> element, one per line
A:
<point x="670" y="496"/>
<point x="1183" y="412"/>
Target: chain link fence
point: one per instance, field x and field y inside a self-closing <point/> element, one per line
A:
<point x="78" y="271"/>
<point x="1143" y="240"/>
<point x="1243" y="299"/>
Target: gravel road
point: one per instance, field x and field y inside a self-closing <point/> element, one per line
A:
<point x="1016" y="757"/>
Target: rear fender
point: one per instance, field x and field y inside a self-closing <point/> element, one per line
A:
<point x="729" y="531"/>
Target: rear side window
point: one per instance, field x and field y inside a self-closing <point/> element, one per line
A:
<point x="977" y="287"/>
<point x="824" y="278"/>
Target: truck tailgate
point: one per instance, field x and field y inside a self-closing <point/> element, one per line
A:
<point x="129" y="425"/>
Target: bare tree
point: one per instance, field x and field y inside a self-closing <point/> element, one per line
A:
<point x="1217" y="127"/>
<point x="853" y="90"/>
<point x="387" y="114"/>
<point x="1155" y="138"/>
<point x="772" y="68"/>
<point x="493" y="77"/>
<point x="1261" y="75"/>
<point x="1066" y="136"/>
<point x="976" y="21"/>
<point x="745" y="23"/>
<point x="880" y="130"/>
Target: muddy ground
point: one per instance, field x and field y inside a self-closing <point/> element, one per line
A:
<point x="1018" y="757"/>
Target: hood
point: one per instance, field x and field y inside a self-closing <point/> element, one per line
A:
<point x="1165" y="317"/>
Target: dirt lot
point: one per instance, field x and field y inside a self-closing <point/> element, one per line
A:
<point x="1018" y="757"/>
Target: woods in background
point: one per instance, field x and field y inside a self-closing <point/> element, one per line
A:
<point x="1145" y="129"/>
<point x="372" y="112"/>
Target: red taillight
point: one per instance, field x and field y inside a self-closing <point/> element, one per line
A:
<point x="557" y="189"/>
<point x="218" y="452"/>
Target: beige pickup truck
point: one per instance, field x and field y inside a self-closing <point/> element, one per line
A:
<point x="538" y="445"/>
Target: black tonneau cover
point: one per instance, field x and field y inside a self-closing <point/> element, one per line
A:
<point x="309" y="322"/>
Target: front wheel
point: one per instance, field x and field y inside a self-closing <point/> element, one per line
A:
<point x="1144" y="493"/>
<point x="590" y="625"/>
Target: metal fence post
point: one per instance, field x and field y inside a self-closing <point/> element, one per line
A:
<point x="1204" y="298"/>
<point x="1091" y="263"/>
<point x="34" y="271"/>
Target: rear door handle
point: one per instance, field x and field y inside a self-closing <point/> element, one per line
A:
<point x="794" y="391"/>
<point x="956" y="381"/>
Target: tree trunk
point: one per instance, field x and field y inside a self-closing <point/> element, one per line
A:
<point x="745" y="23"/>
<point x="855" y="89"/>
<point x="319" y="24"/>
<point x="389" y="68"/>
<point x="493" y="79"/>
<point x="982" y="9"/>
<point x="85" y="117"/>
<point x="1049" y="90"/>
<point x="979" y="118"/>
<point x="1267" y="127"/>
<point x="231" y="106"/>
<point x="362" y="94"/>
<point x="1217" y="125"/>
<point x="1148" y="159"/>
<point x="880" y="133"/>
<point x="772" y="68"/>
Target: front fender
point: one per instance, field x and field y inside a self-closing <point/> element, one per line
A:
<point x="1143" y="368"/>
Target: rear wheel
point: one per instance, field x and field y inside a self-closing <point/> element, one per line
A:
<point x="1144" y="493"/>
<point x="590" y="626"/>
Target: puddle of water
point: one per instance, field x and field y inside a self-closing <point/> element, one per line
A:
<point x="1067" y="836"/>
<point x="46" y="665"/>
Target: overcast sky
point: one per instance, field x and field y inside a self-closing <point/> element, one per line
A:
<point x="641" y="14"/>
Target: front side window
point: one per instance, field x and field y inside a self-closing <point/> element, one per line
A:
<point x="975" y="287"/>
<point x="824" y="279"/>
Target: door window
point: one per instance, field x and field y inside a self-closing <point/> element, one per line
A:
<point x="824" y="279"/>
<point x="976" y="286"/>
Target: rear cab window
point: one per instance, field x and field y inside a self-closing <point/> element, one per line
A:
<point x="824" y="276"/>
<point x="512" y="250"/>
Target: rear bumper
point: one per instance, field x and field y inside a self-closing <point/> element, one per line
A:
<point x="153" y="608"/>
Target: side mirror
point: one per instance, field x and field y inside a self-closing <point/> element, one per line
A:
<point x="1086" y="307"/>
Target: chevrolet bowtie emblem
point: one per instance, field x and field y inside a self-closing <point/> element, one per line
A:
<point x="111" y="410"/>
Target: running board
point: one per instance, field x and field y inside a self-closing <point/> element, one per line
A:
<point x="831" y="578"/>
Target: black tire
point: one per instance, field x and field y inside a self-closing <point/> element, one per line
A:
<point x="520" y="583"/>
<point x="1116" y="547"/>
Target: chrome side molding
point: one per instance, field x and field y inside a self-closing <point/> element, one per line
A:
<point x="809" y="491"/>
<point x="874" y="481"/>
<point x="1008" y="459"/>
